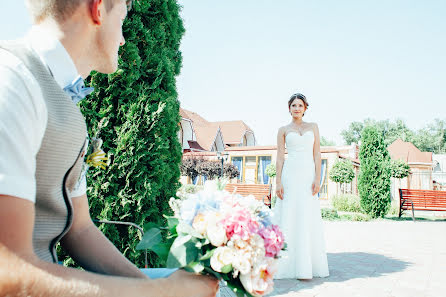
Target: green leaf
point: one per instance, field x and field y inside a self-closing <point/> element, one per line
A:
<point x="238" y="290"/>
<point x="212" y="272"/>
<point x="195" y="267"/>
<point x="151" y="238"/>
<point x="172" y="222"/>
<point x="226" y="268"/>
<point x="208" y="255"/>
<point x="162" y="250"/>
<point x="182" y="252"/>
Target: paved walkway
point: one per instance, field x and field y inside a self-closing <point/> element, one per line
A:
<point x="378" y="259"/>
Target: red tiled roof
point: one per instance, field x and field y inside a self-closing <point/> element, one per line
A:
<point x="205" y="131"/>
<point x="408" y="152"/>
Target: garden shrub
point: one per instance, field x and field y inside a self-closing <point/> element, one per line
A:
<point x="346" y="202"/>
<point x="329" y="214"/>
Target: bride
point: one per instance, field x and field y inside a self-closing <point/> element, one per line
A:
<point x="297" y="182"/>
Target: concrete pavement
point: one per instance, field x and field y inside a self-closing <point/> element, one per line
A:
<point x="381" y="258"/>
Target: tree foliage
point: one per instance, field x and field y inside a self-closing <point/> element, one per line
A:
<point x="327" y="142"/>
<point x="135" y="112"/>
<point x="431" y="138"/>
<point x="399" y="169"/>
<point x="374" y="176"/>
<point x="342" y="172"/>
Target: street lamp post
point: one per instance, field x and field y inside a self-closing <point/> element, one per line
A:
<point x="223" y="157"/>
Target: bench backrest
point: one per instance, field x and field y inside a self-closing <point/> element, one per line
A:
<point x="424" y="199"/>
<point x="259" y="191"/>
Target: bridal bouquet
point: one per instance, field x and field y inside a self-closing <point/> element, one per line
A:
<point x="219" y="233"/>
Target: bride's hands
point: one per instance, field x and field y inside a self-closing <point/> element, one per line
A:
<point x="279" y="191"/>
<point x="315" y="187"/>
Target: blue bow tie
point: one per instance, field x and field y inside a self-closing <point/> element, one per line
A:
<point x="77" y="91"/>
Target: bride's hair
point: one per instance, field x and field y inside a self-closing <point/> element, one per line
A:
<point x="298" y="96"/>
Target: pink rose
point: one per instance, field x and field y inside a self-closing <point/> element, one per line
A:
<point x="273" y="239"/>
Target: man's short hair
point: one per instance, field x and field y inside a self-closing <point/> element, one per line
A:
<point x="60" y="9"/>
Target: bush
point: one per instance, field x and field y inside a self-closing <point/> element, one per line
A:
<point x="135" y="111"/>
<point x="329" y="214"/>
<point x="394" y="209"/>
<point x="374" y="176"/>
<point x="346" y="202"/>
<point x="356" y="217"/>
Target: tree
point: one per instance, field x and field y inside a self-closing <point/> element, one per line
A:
<point x="374" y="176"/>
<point x="391" y="131"/>
<point x="432" y="138"/>
<point x="353" y="133"/>
<point x="342" y="172"/>
<point x="327" y="142"/>
<point x="135" y="112"/>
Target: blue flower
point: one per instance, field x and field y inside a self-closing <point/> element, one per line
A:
<point x="265" y="218"/>
<point x="198" y="203"/>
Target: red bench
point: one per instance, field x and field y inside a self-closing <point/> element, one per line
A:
<point x="421" y="200"/>
<point x="259" y="191"/>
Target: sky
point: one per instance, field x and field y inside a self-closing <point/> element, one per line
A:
<point x="243" y="59"/>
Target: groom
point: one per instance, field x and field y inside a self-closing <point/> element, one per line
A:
<point x="42" y="147"/>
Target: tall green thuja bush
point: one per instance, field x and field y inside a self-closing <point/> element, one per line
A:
<point x="374" y="176"/>
<point x="135" y="112"/>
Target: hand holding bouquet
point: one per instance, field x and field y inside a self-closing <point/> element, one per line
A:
<point x="223" y="234"/>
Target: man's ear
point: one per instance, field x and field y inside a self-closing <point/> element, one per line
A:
<point x="95" y="10"/>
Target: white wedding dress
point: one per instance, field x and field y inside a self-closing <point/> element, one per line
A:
<point x="299" y="214"/>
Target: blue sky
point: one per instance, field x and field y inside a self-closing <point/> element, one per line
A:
<point x="352" y="59"/>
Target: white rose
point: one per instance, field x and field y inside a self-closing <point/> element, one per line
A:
<point x="241" y="262"/>
<point x="216" y="234"/>
<point x="200" y="223"/>
<point x="222" y="256"/>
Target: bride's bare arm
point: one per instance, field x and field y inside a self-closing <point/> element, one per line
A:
<point x="279" y="161"/>
<point x="317" y="160"/>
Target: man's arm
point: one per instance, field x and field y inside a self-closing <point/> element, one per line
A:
<point x="16" y="227"/>
<point x="91" y="249"/>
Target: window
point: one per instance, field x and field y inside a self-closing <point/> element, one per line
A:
<point x="238" y="162"/>
<point x="252" y="168"/>
<point x="323" y="193"/>
<point x="263" y="161"/>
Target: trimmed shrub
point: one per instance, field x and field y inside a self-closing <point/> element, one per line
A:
<point x="399" y="169"/>
<point x="271" y="170"/>
<point x="346" y="202"/>
<point x="342" y="172"/>
<point x="374" y="176"/>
